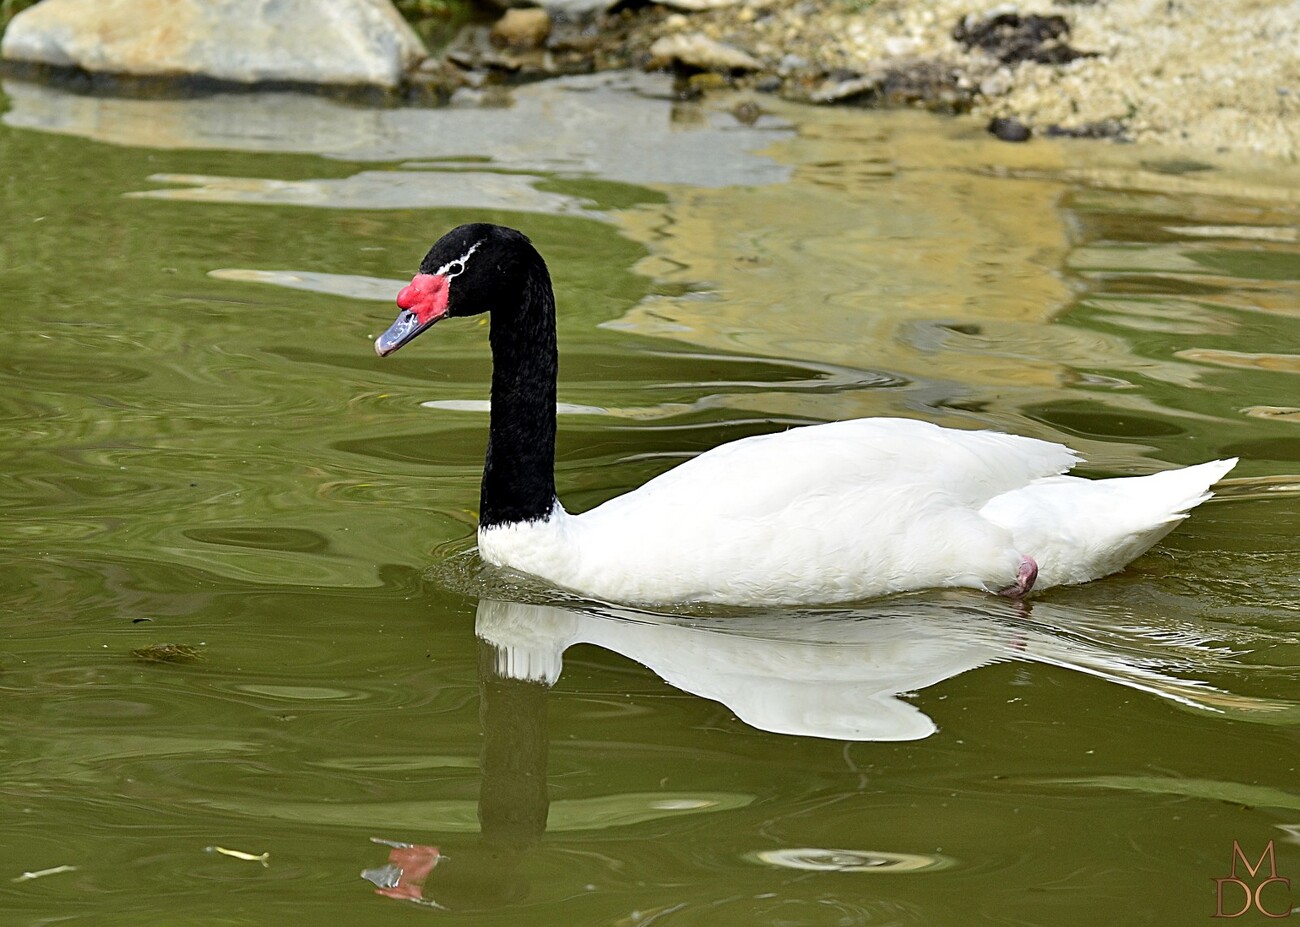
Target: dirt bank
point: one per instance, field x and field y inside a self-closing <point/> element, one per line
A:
<point x="1218" y="75"/>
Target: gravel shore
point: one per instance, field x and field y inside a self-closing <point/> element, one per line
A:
<point x="1198" y="75"/>
<point x="1201" y="74"/>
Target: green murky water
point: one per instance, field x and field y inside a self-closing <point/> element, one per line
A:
<point x="238" y="610"/>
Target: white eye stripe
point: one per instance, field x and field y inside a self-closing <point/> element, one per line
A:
<point x="446" y="270"/>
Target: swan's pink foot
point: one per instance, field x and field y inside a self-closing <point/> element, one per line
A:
<point x="1025" y="577"/>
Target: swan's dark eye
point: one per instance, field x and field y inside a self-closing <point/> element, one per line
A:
<point x="455" y="268"/>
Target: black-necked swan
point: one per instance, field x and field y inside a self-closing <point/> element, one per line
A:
<point x="814" y="515"/>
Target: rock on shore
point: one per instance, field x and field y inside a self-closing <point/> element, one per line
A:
<point x="346" y="42"/>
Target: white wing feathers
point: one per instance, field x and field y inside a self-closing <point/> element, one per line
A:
<point x="756" y="476"/>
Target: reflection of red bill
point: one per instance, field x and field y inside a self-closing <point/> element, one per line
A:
<point x="408" y="866"/>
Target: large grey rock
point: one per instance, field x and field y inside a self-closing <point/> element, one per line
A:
<point x="245" y="41"/>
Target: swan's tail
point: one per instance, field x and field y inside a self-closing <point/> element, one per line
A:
<point x="1080" y="530"/>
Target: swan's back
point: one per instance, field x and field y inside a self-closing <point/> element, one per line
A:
<point x="764" y="474"/>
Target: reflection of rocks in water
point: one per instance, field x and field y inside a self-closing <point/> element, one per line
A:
<point x="915" y="247"/>
<point x="1102" y="128"/>
<point x="423" y="189"/>
<point x="612" y="126"/>
<point x="878" y="230"/>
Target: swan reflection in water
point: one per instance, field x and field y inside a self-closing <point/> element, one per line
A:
<point x="838" y="674"/>
<point x="834" y="674"/>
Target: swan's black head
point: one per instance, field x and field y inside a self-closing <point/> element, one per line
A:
<point x="471" y="269"/>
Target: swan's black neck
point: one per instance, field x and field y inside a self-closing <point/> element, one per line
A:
<point x="519" y="476"/>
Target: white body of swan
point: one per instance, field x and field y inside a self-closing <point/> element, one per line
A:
<point x="849" y="510"/>
<point x="827" y="513"/>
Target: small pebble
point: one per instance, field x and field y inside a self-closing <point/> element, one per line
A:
<point x="1008" y="129"/>
<point x="746" y="113"/>
<point x="522" y="28"/>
